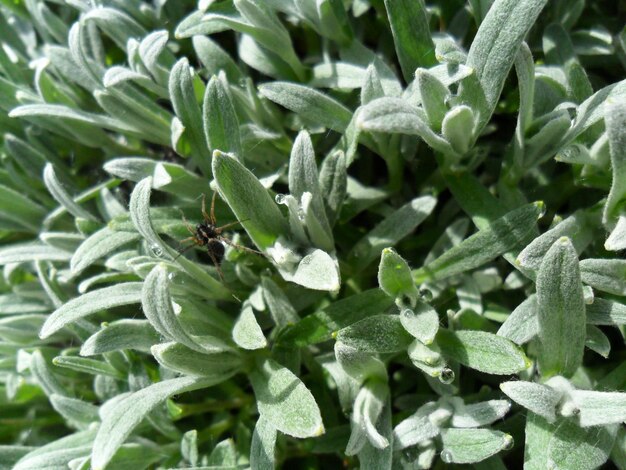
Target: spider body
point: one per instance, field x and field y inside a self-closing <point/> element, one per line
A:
<point x="208" y="234"/>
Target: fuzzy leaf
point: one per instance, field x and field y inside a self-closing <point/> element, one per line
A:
<point x="285" y="402"/>
<point x="394" y="278"/>
<point x="312" y="105"/>
<point x="482" y="351"/>
<point x="540" y="399"/>
<point x="120" y="335"/>
<point x="411" y="35"/>
<point x="494" y="49"/>
<point x="122" y="417"/>
<point x="561" y="311"/>
<point x="500" y="236"/>
<point x="472" y="445"/>
<point x="319" y="326"/>
<point x="221" y="126"/>
<point x="391" y="230"/>
<point x="379" y="333"/>
<point x="90" y="303"/>
<point x="249" y="200"/>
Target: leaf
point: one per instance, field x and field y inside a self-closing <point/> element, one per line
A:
<point x="416" y="428"/>
<point x="312" y="105"/>
<point x="358" y="365"/>
<point x="606" y="275"/>
<point x="457" y="128"/>
<point x="188" y="111"/>
<point x="57" y="454"/>
<point x="434" y="95"/>
<point x="472" y="445"/>
<point x="42" y="372"/>
<point x="120" y="335"/>
<point x="90" y="303"/>
<point x="72" y="116"/>
<point x="319" y="326"/>
<point x="100" y="244"/>
<point x="498" y="237"/>
<point x="180" y="358"/>
<point x="25" y="252"/>
<point x="599" y="408"/>
<point x="397" y="116"/>
<point x="421" y="321"/>
<point x="279" y="305"/>
<point x="368" y="407"/>
<point x="411" y="35"/>
<point x="606" y="312"/>
<point x="317" y="271"/>
<point x="221" y="126"/>
<point x="482" y="351"/>
<point x="249" y="200"/>
<point x="521" y="325"/>
<point x="157" y="306"/>
<point x="615" y="118"/>
<point x="394" y="278"/>
<point x="247" y="333"/>
<point x="303" y="178"/>
<point x="169" y="177"/>
<point x="391" y="230"/>
<point x="263" y="445"/>
<point x="16" y="207"/>
<point x="285" y="402"/>
<point x="566" y="445"/>
<point x="479" y="414"/>
<point x="597" y="341"/>
<point x="578" y="227"/>
<point x="88" y="366"/>
<point x="341" y="75"/>
<point x="371" y="455"/>
<point x="123" y="416"/>
<point x="540" y="399"/>
<point x="62" y="196"/>
<point x="214" y="58"/>
<point x="494" y="48"/>
<point x="333" y="181"/>
<point x="379" y="333"/>
<point x="561" y="311"/>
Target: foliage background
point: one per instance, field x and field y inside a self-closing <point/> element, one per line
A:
<point x="437" y="191"/>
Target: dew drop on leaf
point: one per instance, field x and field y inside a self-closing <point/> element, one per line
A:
<point x="446" y="376"/>
<point x="156" y="250"/>
<point x="446" y="456"/>
<point x="509" y="442"/>
<point x="426" y="294"/>
<point x="280" y="199"/>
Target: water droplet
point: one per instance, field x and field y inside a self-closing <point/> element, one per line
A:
<point x="407" y="312"/>
<point x="446" y="456"/>
<point x="509" y="442"/>
<point x="426" y="294"/>
<point x="280" y="198"/>
<point x="156" y="250"/>
<point x="446" y="376"/>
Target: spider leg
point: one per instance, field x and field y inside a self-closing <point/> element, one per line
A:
<point x="190" y="227"/>
<point x="239" y="247"/>
<point x="213" y="221"/>
<point x="217" y="266"/>
<point x="219" y="230"/>
<point x="184" y="249"/>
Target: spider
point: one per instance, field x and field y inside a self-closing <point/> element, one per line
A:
<point x="208" y="234"/>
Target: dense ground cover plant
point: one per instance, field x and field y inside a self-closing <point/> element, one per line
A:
<point x="436" y="193"/>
